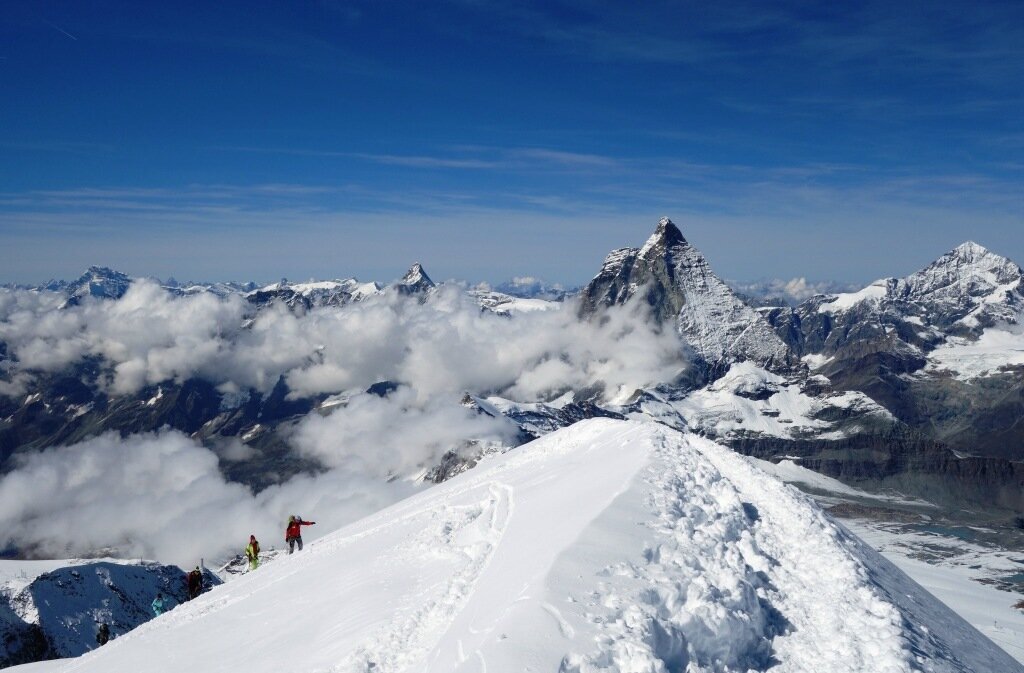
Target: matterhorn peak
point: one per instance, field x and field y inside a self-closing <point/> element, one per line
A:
<point x="666" y="236"/>
<point x="677" y="283"/>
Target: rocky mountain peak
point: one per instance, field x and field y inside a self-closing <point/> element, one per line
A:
<point x="416" y="275"/>
<point x="99" y="281"/>
<point x="665" y="237"/>
<point x="415" y="281"/>
<point x="677" y="283"/>
<point x="970" y="250"/>
<point x="966" y="280"/>
<point x="970" y="259"/>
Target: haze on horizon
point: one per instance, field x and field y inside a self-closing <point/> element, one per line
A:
<point x="325" y="139"/>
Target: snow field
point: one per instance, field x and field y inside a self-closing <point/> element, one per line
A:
<point x="605" y="547"/>
<point x="994" y="350"/>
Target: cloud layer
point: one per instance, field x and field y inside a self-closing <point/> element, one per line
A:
<point x="444" y="345"/>
<point x="162" y="495"/>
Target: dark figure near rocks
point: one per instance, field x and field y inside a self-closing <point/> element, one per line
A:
<point x="195" y="583"/>
<point x="103" y="634"/>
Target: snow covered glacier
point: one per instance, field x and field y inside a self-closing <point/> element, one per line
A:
<point x="608" y="546"/>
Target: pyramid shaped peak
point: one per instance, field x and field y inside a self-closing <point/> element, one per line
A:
<point x="665" y="236"/>
<point x="975" y="258"/>
<point x="416" y="276"/>
<point x="668" y="231"/>
<point x="415" y="281"/>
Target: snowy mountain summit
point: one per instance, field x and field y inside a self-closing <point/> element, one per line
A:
<point x="962" y="292"/>
<point x="676" y="281"/>
<point x="608" y="546"/>
<point x="969" y="285"/>
<point x="97" y="281"/>
<point x="415" y="281"/>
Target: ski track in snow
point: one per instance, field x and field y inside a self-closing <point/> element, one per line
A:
<point x="469" y="534"/>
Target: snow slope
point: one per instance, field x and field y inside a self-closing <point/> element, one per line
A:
<point x="606" y="546"/>
<point x="963" y="576"/>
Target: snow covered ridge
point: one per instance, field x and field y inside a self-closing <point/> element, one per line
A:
<point x="964" y="290"/>
<point x="606" y="547"/>
<point x="519" y="294"/>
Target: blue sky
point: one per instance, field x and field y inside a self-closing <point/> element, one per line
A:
<point x="253" y="140"/>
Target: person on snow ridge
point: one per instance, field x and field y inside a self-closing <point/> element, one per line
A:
<point x="158" y="604"/>
<point x="293" y="534"/>
<point x="103" y="634"/>
<point x="195" y="583"/>
<point x="252" y="552"/>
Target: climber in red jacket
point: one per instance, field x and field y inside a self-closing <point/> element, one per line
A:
<point x="293" y="534"/>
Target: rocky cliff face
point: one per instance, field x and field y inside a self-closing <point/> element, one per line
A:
<point x="675" y="280"/>
<point x="914" y="345"/>
<point x="57" y="613"/>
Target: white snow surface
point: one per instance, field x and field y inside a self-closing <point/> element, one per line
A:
<point x="729" y="406"/>
<point x="608" y="546"/>
<point x="963" y="578"/>
<point x="507" y="304"/>
<point x="996" y="349"/>
<point x="848" y="300"/>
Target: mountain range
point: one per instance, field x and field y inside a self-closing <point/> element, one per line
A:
<point x="913" y="386"/>
<point x="914" y="383"/>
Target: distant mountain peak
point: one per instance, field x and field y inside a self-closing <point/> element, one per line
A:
<point x="665" y="237"/>
<point x="415" y="281"/>
<point x="960" y="294"/>
<point x="416" y="276"/>
<point x="97" y="281"/>
<point x="970" y="249"/>
<point x="969" y="269"/>
<point x="677" y="282"/>
<point x="103" y="272"/>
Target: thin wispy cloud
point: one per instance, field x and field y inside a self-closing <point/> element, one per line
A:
<point x="466" y="157"/>
<point x="60" y="30"/>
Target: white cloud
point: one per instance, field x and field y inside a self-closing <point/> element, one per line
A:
<point x="446" y="345"/>
<point x="161" y="495"/>
<point x="793" y="290"/>
<point x="395" y="435"/>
